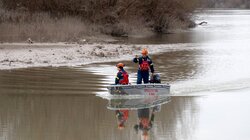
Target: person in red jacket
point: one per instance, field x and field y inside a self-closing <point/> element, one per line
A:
<point x="145" y="65"/>
<point x="122" y="117"/>
<point x="146" y="120"/>
<point x="122" y="75"/>
<point x="121" y="78"/>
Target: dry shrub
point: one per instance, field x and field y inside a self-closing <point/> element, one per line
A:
<point x="70" y="19"/>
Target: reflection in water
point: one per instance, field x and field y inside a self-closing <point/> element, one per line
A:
<point x="137" y="102"/>
<point x="181" y="37"/>
<point x="146" y="108"/>
<point x="145" y="120"/>
<point x="74" y="114"/>
<point x="48" y="80"/>
<point x="179" y="65"/>
<point x="151" y="118"/>
<point x="122" y="117"/>
<point x="78" y="117"/>
<point x="52" y="117"/>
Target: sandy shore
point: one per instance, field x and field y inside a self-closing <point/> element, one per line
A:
<point x="23" y="55"/>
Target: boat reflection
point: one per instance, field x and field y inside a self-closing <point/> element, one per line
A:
<point x="146" y="108"/>
<point x="145" y="120"/>
<point x="122" y="117"/>
<point x="137" y="103"/>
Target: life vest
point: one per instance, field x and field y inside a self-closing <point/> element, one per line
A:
<point x="122" y="116"/>
<point x="144" y="66"/>
<point x="124" y="80"/>
<point x="125" y="114"/>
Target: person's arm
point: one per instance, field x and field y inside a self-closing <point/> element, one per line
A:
<point x="151" y="65"/>
<point x="152" y="119"/>
<point x="118" y="77"/>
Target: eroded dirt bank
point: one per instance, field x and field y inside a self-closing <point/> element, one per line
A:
<point x="22" y="55"/>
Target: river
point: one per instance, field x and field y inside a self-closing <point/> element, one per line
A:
<point x="209" y="77"/>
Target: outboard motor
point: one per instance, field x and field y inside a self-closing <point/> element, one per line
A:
<point x="155" y="79"/>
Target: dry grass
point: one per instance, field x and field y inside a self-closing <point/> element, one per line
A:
<point x="16" y="26"/>
<point x="40" y="27"/>
<point x="71" y="20"/>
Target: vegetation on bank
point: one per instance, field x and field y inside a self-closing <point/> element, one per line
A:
<point x="73" y="20"/>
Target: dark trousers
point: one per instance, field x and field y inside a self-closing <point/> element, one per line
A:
<point x="142" y="75"/>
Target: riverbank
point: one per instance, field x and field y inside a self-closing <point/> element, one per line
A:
<point x="66" y="21"/>
<point x="23" y="55"/>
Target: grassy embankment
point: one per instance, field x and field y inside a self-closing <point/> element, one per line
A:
<point x="74" y="20"/>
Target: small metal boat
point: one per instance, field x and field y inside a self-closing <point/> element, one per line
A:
<point x="140" y="89"/>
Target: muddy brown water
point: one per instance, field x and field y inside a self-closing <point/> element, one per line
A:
<point x="209" y="77"/>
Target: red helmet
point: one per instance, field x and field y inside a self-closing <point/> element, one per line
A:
<point x="120" y="65"/>
<point x="144" y="51"/>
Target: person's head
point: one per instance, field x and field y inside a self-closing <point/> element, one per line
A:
<point x="120" y="66"/>
<point x="121" y="125"/>
<point x="145" y="135"/>
<point x="144" y="52"/>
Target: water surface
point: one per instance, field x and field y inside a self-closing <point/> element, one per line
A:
<point x="209" y="77"/>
